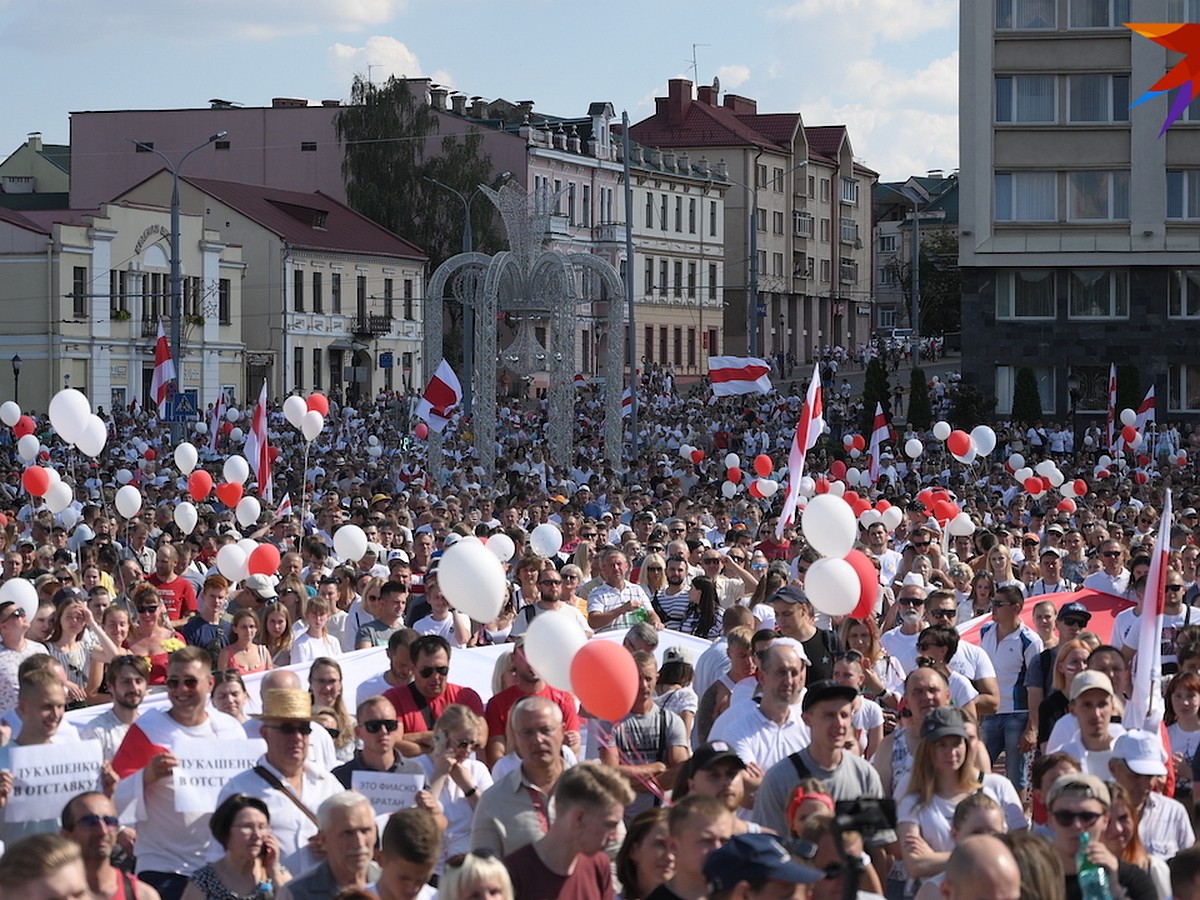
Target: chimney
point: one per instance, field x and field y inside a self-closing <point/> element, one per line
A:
<point x="936" y="173"/>
<point x="741" y="106"/>
<point x="34" y="141"/>
<point x="722" y="170"/>
<point x="478" y="108"/>
<point x="573" y="140"/>
<point x="526" y="107"/>
<point x="702" y="165"/>
<point x="679" y="98"/>
<point x="288" y="103"/>
<point x="459" y="104"/>
<point x="684" y="163"/>
<point x="437" y="98"/>
<point x="331" y="103"/>
<point x="668" y="160"/>
<point x="706" y="94"/>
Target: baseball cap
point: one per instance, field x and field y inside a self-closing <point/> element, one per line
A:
<point x="1031" y="538"/>
<point x="755" y="858"/>
<point x="1054" y="528"/>
<point x="1141" y="751"/>
<point x="789" y="594"/>
<point x="260" y="586"/>
<point x="943" y="722"/>
<point x="1074" y="608"/>
<point x="1051" y="551"/>
<point x="1190" y="511"/>
<point x="398" y="555"/>
<point x="827" y="690"/>
<point x="714" y="752"/>
<point x="1079" y="784"/>
<point x="1091" y="681"/>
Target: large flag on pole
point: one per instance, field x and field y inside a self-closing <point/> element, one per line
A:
<point x="732" y="375"/>
<point x="218" y="416"/>
<point x="879" y="434"/>
<point x="1145" y="412"/>
<point x="1145" y="708"/>
<point x="808" y="429"/>
<point x="1110" y="421"/>
<point x="257" y="448"/>
<point x="441" y="399"/>
<point x="164" y="371"/>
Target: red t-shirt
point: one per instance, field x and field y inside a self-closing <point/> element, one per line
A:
<point x="772" y="550"/>
<point x="531" y="880"/>
<point x="411" y="715"/>
<point x="502" y="703"/>
<point x="178" y="596"/>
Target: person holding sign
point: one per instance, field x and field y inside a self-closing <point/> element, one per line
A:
<point x="290" y="787"/>
<point x="250" y="868"/>
<point x="378" y="729"/>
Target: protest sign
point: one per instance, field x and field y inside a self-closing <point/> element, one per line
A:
<point x="46" y="776"/>
<point x="388" y="791"/>
<point x="205" y="766"/>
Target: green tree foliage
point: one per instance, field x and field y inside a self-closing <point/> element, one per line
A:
<point x="920" y="412"/>
<point x="1027" y="403"/>
<point x="969" y="406"/>
<point x="875" y="390"/>
<point x="941" y="289"/>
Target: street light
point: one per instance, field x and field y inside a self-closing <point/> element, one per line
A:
<point x="176" y="276"/>
<point x="468" y="243"/>
<point x="1073" y="389"/>
<point x="16" y="366"/>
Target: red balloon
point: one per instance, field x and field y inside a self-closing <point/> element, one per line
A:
<point x="1143" y="459"/>
<point x="1033" y="484"/>
<point x="697" y="456"/>
<point x="1129" y="433"/>
<point x="421" y="431"/>
<point x="944" y="510"/>
<point x="44" y="456"/>
<point x="1066" y="505"/>
<point x="264" y="559"/>
<point x="868" y="583"/>
<point x="924" y="495"/>
<point x="1140" y="477"/>
<point x="24" y="426"/>
<point x="226" y="428"/>
<point x="851" y="497"/>
<point x="753" y="490"/>
<point x="605" y="679"/>
<point x="763" y="465"/>
<point x="959" y="443"/>
<point x="861" y="505"/>
<point x="318" y="402"/>
<point x="734" y="474"/>
<point x="36" y="480"/>
<point x="1080" y="487"/>
<point x="860" y="443"/>
<point x="1046" y="485"/>
<point x="822" y="485"/>
<point x="1103" y="473"/>
<point x="199" y="485"/>
<point x="838" y="469"/>
<point x="229" y="493"/>
<point x="151" y="454"/>
<point x="882" y="506"/>
<point x="273" y="453"/>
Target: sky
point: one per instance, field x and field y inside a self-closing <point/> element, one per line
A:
<point x="887" y="69"/>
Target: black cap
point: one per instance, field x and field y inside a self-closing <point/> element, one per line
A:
<point x="790" y="594"/>
<point x="714" y="752"/>
<point x="1074" y="608"/>
<point x="753" y="858"/>
<point x="827" y="690"/>
<point x="945" y="721"/>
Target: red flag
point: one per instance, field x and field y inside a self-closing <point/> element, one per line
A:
<point x="1145" y="412"/>
<point x="1145" y="707"/>
<point x="879" y="434"/>
<point x="135" y="752"/>
<point x="164" y="371"/>
<point x="808" y="429"/>
<point x="285" y="508"/>
<point x="214" y="428"/>
<point x="258" y="450"/>
<point x="626" y="403"/>
<point x="441" y="399"/>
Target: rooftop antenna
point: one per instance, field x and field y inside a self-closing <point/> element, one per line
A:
<point x="371" y="66"/>
<point x="695" y="67"/>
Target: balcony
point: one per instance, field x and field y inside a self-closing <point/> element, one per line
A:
<point x="371" y="326"/>
<point x="609" y="233"/>
<point x="848" y="272"/>
<point x="803" y="224"/>
<point x="848" y="231"/>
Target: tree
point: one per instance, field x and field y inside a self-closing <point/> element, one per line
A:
<point x="941" y="288"/>
<point x="920" y="412"/>
<point x="875" y="390"/>
<point x="1027" y="402"/>
<point x="969" y="406"/>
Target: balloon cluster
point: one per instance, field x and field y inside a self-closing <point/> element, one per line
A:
<point x="964" y="447"/>
<point x="843" y="582"/>
<point x="761" y="488"/>
<point x="690" y="453"/>
<point x="602" y="674"/>
<point x="307" y="414"/>
<point x="855" y="444"/>
<point x="1046" y="477"/>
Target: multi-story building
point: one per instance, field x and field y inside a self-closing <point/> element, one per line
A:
<point x="84" y="293"/>
<point x="1079" y="239"/>
<point x="332" y="302"/>
<point x="36" y="175"/>
<point x="797" y="225"/>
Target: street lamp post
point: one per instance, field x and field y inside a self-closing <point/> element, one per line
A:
<point x="176" y="274"/>
<point x="16" y="367"/>
<point x="1073" y="388"/>
<point x="468" y="244"/>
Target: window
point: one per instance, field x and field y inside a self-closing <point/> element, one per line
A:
<point x="691" y="348"/>
<point x="362" y="297"/>
<point x="571" y="203"/>
<point x="678" y="278"/>
<point x="1183" y="194"/>
<point x="388" y="287"/>
<point x="777" y="178"/>
<point x="1025" y="98"/>
<point x="679" y="214"/>
<point x="762" y="262"/>
<point x="649" y="341"/>
<point x="1183" y="293"/>
<point x="317" y="376"/>
<point x="558" y="192"/>
<point x="677" y="346"/>
<point x="777" y="265"/>
<point x="691" y="280"/>
<point x="1098" y="294"/>
<point x="1006" y="377"/>
<point x="335" y="292"/>
<point x="648" y="275"/>
<point x="220" y="145"/>
<point x="224" y="301"/>
<point x="649" y="210"/>
<point x="298" y="369"/>
<point x="663" y="223"/>
<point x="803" y="223"/>
<point x="777" y="220"/>
<point x="662" y="344"/>
<point x="848" y="271"/>
<point x="812" y="186"/>
<point x="298" y="290"/>
<point x="408" y="300"/>
<point x="713" y="349"/>
<point x="79" y="292"/>
<point x="1026" y="197"/>
<point x="1183" y="10"/>
<point x="308" y="146"/>
<point x="712" y="281"/>
<point x="885" y="277"/>
<point x="888" y="243"/>
<point x="826" y="268"/>
<point x="143" y="146"/>
<point x="800" y="264"/>
<point x="1025" y="294"/>
<point x="712" y="218"/>
<point x="317" y="298"/>
<point x="585" y="218"/>
<point x="1098" y="13"/>
<point x="118" y="285"/>
<point x="849" y="191"/>
<point x="1026" y="15"/>
<point x="193" y="291"/>
<point x="848" y="231"/>
<point x="1097" y="195"/>
<point x="1098" y="98"/>
<point x="760" y="219"/>
<point x="824" y="190"/>
<point x="1183" y="387"/>
<point x="663" y="281"/>
<point x="760" y="176"/>
<point x="692" y="216"/>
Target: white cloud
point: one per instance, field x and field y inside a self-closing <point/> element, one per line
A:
<point x="935" y="85"/>
<point x="733" y="76"/>
<point x="895" y="20"/>
<point x="386" y="57"/>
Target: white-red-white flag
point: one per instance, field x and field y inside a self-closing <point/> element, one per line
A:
<point x="627" y="403"/>
<point x="218" y="417"/>
<point x="443" y="395"/>
<point x="257" y="447"/>
<point x="1145" y="412"/>
<point x="164" y="371"/>
<point x="808" y="429"/>
<point x="285" y="508"/>
<point x="1111" y="419"/>
<point x="1145" y="707"/>
<point x="732" y="375"/>
<point x="879" y="434"/>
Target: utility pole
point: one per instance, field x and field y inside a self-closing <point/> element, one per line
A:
<point x="632" y="315"/>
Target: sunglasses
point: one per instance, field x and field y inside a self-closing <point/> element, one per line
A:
<point x="429" y="671"/>
<point x="456" y="861"/>
<point x="654" y="568"/>
<point x="94" y="821"/>
<point x="1066" y="818"/>
<point x="570" y="578"/>
<point x="943" y="613"/>
<point x="998" y="604"/>
<point x="555" y="581"/>
<point x="910" y="601"/>
<point x="1111" y="554"/>
<point x="18" y="613"/>
<point x="292" y="728"/>
<point x="334" y="733"/>
<point x="920" y="544"/>
<point x="1074" y="623"/>
<point x="146" y="610"/>
<point x="466" y="744"/>
<point x="848" y="656"/>
<point x="374" y="726"/>
<point x="1173" y="588"/>
<point x="737" y="559"/>
<point x="587" y="536"/>
<point x="173" y="684"/>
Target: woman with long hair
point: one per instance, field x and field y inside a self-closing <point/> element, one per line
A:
<point x="884" y="676"/>
<point x="229" y="694"/>
<point x="1123" y="841"/>
<point x="979" y="601"/>
<point x="704" y="613"/>
<point x="1069" y="661"/>
<point x="292" y="596"/>
<point x="645" y="859"/>
<point x="152" y="635"/>
<point x="653" y="578"/>
<point x="276" y="633"/>
<point x="243" y="654"/>
<point x="325" y="685"/>
<point x="999" y="566"/>
<point x="455" y="778"/>
<point x="80" y="644"/>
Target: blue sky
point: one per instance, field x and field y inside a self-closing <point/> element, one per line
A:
<point x="888" y="69"/>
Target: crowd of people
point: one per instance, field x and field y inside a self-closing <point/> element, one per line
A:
<point x="771" y="750"/>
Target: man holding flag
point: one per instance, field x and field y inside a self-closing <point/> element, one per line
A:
<point x="809" y="428"/>
<point x="879" y="434"/>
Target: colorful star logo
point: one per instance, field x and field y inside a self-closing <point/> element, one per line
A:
<point x="1181" y="38"/>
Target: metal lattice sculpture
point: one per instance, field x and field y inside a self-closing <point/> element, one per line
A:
<point x="535" y="283"/>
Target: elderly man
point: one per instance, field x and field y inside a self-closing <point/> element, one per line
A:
<point x="90" y="820"/>
<point x="618" y="603"/>
<point x="171" y="845"/>
<point x="348" y="833"/>
<point x="420" y="702"/>
<point x="1113" y="577"/>
<point x="283" y="779"/>
<point x="901" y="641"/>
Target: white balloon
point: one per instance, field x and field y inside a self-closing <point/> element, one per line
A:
<point x="373" y="440"/>
<point x="9" y="413"/>
<point x="350" y="543"/>
<point x="472" y="580"/>
<point x="69" y="410"/>
<point x="236" y="435"/>
<point x="233" y="414"/>
<point x="201" y="427"/>
<point x="28" y="447"/>
<point x="731" y="459"/>
<point x="55" y="478"/>
<point x="128" y="501"/>
<point x="59" y="497"/>
<point x="247" y="546"/>
<point x="913" y="448"/>
<point x="551" y="642"/>
<point x="1056" y="477"/>
<point x="968" y="457"/>
<point x="869" y="518"/>
<point x="808" y="486"/>
<point x="837" y="489"/>
<point x="236" y="470"/>
<point x="231" y="562"/>
<point x="892" y="517"/>
<point x="835" y="589"/>
<point x="829" y="525"/>
<point x="312" y="424"/>
<point x="545" y="540"/>
<point x="21" y="592"/>
<point x="247" y="511"/>
<point x="1016" y="461"/>
<point x="984" y="438"/>
<point x="941" y="430"/>
<point x="729" y="490"/>
<point x="1067" y="489"/>
<point x="855" y="453"/>
<point x="1088" y="440"/>
<point x="501" y="546"/>
<point x="1022" y="474"/>
<point x="186" y="457"/>
<point x="855" y="476"/>
<point x="961" y="525"/>
<point x="186" y="517"/>
<point x="93" y="437"/>
<point x="375" y="451"/>
<point x="124" y="476"/>
<point x="294" y="409"/>
<point x="1128" y="416"/>
<point x="1104" y="461"/>
<point x="1137" y="441"/>
<point x="69" y="517"/>
<point x="1044" y="468"/>
<point x="767" y="487"/>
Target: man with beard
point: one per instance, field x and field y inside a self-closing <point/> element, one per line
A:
<point x="671" y="603"/>
<point x="90" y="820"/>
<point x="126" y="679"/>
<point x="901" y="642"/>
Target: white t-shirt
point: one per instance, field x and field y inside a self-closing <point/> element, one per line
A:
<point x="868" y="715"/>
<point x="755" y="738"/>
<point x="902" y="646"/>
<point x="1093" y="762"/>
<point x="933" y="819"/>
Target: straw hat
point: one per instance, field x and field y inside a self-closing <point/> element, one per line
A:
<point x="286" y="703"/>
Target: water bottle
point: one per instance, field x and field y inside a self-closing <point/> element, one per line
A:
<point x="1093" y="879"/>
<point x="639" y="615"/>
